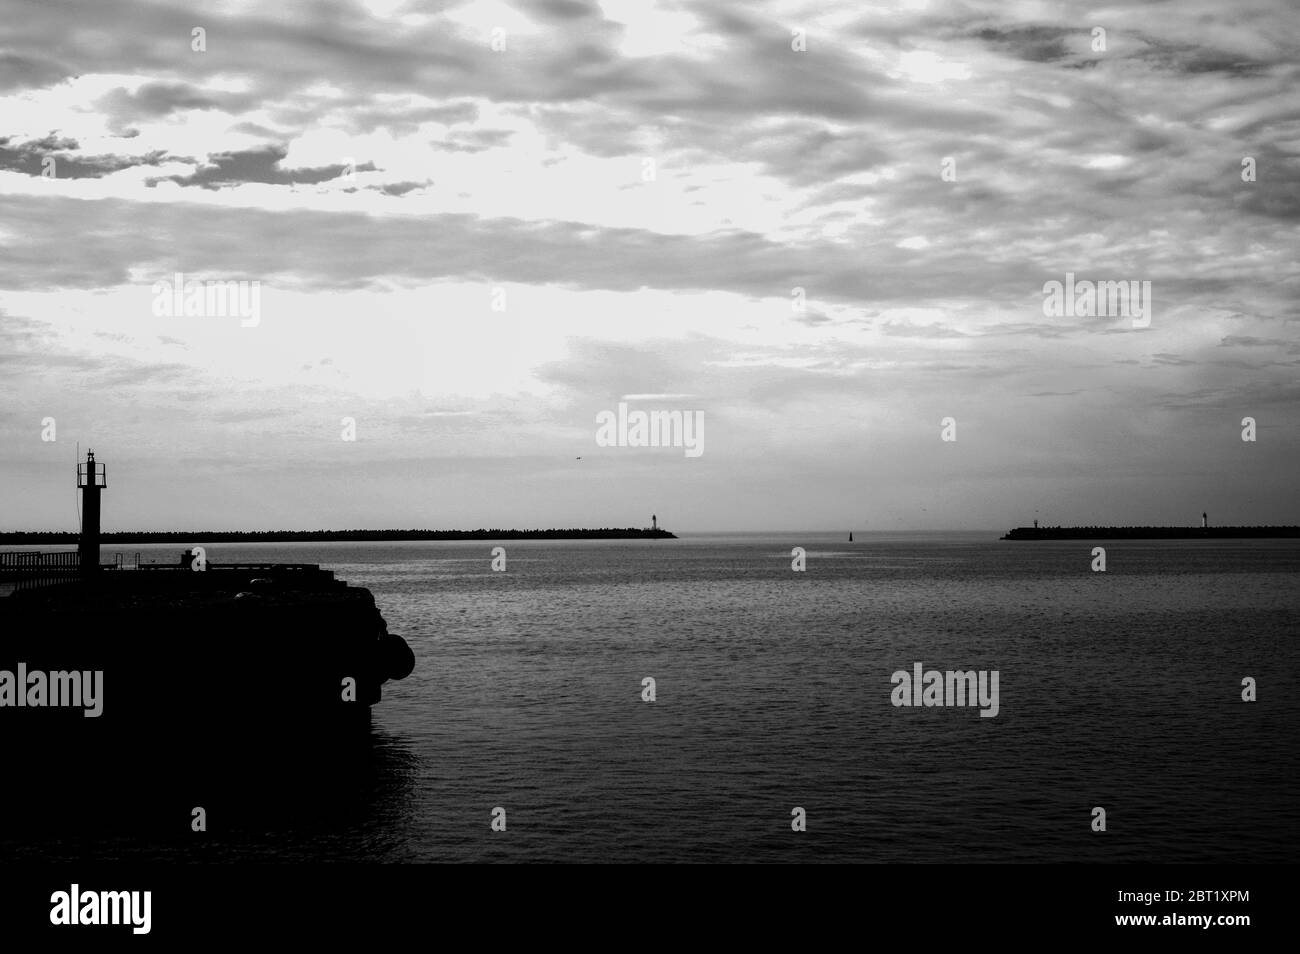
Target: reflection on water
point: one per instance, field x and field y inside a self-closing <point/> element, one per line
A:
<point x="290" y="802"/>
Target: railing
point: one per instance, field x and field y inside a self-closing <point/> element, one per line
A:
<point x="30" y="570"/>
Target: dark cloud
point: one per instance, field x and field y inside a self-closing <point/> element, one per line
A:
<point x="562" y="12"/>
<point x="152" y="100"/>
<point x="1187" y="58"/>
<point x="259" y="130"/>
<point x="478" y="140"/>
<point x="26" y="72"/>
<point x="1249" y="341"/>
<point x="365" y="116"/>
<point x="223" y="170"/>
<point x="322" y="254"/>
<point x="30" y="158"/>
<point x="1037" y="44"/>
<point x="400" y="188"/>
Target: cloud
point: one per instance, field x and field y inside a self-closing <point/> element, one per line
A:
<point x="154" y="100"/>
<point x="19" y="72"/>
<point x="1037" y="44"/>
<point x="224" y="170"/>
<point x="524" y="170"/>
<point x="907" y="329"/>
<point x="54" y="156"/>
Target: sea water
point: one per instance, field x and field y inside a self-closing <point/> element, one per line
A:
<point x="1120" y="690"/>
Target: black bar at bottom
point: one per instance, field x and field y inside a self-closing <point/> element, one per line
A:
<point x="948" y="905"/>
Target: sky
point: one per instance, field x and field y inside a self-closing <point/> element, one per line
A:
<point x="823" y="230"/>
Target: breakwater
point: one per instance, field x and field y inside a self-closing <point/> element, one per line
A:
<point x="184" y="538"/>
<point x="1147" y="533"/>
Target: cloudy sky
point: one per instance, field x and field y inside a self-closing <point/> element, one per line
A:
<point x="475" y="226"/>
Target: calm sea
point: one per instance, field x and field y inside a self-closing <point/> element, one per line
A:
<point x="1120" y="690"/>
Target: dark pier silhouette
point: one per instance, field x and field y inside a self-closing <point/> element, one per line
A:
<point x="130" y="695"/>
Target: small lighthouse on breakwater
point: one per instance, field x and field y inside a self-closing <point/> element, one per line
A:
<point x="91" y="479"/>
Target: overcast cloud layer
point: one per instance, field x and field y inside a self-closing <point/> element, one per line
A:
<point x="736" y="209"/>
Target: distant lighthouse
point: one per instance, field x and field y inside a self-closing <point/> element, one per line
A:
<point x="654" y="522"/>
<point x="91" y="479"/>
<point x="1205" y="521"/>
